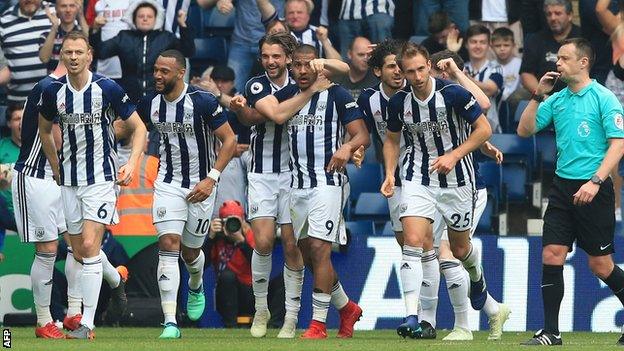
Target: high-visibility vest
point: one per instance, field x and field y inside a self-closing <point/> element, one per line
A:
<point x="134" y="203"/>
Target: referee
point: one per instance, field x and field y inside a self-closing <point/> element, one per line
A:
<point x="589" y="129"/>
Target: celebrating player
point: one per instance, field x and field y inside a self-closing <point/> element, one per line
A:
<point x="187" y="119"/>
<point x="438" y="173"/>
<point x="86" y="105"/>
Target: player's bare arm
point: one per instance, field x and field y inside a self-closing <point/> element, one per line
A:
<point x="481" y="132"/>
<point x="245" y="114"/>
<point x="280" y="112"/>
<point x="449" y="66"/>
<point x="49" y="148"/>
<point x="204" y="188"/>
<point x="359" y="138"/>
<point x="391" y="147"/>
<point x="139" y="134"/>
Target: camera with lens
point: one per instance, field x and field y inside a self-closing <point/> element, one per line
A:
<point x="231" y="225"/>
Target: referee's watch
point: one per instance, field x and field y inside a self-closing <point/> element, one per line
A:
<point x="596" y="180"/>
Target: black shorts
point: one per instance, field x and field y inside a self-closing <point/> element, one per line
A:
<point x="592" y="226"/>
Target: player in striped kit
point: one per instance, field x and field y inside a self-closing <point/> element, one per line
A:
<point x="319" y="186"/>
<point x="443" y="124"/>
<point x="40" y="219"/>
<point x="269" y="176"/>
<point x="86" y="105"/>
<point x="188" y="119"/>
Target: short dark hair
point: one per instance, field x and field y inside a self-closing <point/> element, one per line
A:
<point x="477" y="29"/>
<point x="306" y="49"/>
<point x="285" y="40"/>
<point x="145" y="4"/>
<point x="177" y="55"/>
<point x="76" y="35"/>
<point x="383" y="49"/>
<point x="503" y="33"/>
<point x="410" y="50"/>
<point x="438" y="21"/>
<point x="565" y="3"/>
<point x="444" y="54"/>
<point x="583" y="49"/>
<point x="16" y="106"/>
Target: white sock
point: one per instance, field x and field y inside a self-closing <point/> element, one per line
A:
<point x="491" y="306"/>
<point x="320" y="306"/>
<point x="457" y="284"/>
<point x="260" y="274"/>
<point x="293" y="283"/>
<point x="41" y="278"/>
<point x="91" y="283"/>
<point x="196" y="271"/>
<point x="111" y="275"/>
<point x="168" y="276"/>
<point x="73" y="272"/>
<point x="339" y="298"/>
<point x="472" y="263"/>
<point x="411" y="277"/>
<point x="430" y="287"/>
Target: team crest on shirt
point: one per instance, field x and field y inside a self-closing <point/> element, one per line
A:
<point x="619" y="121"/>
<point x="97" y="103"/>
<point x="583" y="129"/>
<point x="188" y="115"/>
<point x="39" y="233"/>
<point x="440" y="113"/>
<point x="161" y="212"/>
<point x="256" y="87"/>
<point x="321" y="106"/>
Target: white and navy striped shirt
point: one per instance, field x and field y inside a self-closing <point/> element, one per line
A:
<point x="187" y="143"/>
<point x="374" y="105"/>
<point x="269" y="146"/>
<point x="493" y="71"/>
<point x="434" y="127"/>
<point x="359" y="9"/>
<point x="88" y="154"/>
<point x="32" y="161"/>
<point x="308" y="36"/>
<point x="19" y="39"/>
<point x="171" y="14"/>
<point x="316" y="132"/>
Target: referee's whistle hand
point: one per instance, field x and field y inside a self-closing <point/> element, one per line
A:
<point x="585" y="194"/>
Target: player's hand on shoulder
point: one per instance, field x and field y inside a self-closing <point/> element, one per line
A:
<point x="387" y="187"/>
<point x="201" y="191"/>
<point x="318" y="65"/>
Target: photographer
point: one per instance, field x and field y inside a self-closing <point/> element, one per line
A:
<point x="229" y="246"/>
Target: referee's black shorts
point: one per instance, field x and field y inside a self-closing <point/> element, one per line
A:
<point x="591" y="225"/>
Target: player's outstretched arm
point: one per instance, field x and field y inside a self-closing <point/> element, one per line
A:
<point x="391" y="157"/>
<point x="139" y="135"/>
<point x="281" y="112"/>
<point x="331" y="68"/>
<point x="48" y="145"/>
<point x="245" y="114"/>
<point x="449" y="66"/>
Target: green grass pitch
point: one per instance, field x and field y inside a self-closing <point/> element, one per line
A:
<point x="130" y="339"/>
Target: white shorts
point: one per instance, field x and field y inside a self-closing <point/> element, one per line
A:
<point x="173" y="214"/>
<point x="395" y="204"/>
<point x="317" y="212"/>
<point x="268" y="195"/>
<point x="440" y="232"/>
<point x="38" y="208"/>
<point x="96" y="202"/>
<point x="455" y="204"/>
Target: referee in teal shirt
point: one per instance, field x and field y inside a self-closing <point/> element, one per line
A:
<point x="589" y="130"/>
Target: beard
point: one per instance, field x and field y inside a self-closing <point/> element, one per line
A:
<point x="168" y="87"/>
